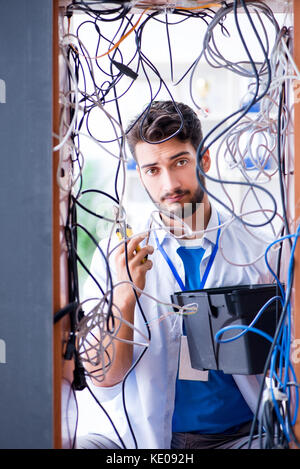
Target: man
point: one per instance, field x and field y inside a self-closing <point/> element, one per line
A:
<point x="151" y="404"/>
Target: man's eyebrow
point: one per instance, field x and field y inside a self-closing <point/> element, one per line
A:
<point x="173" y="157"/>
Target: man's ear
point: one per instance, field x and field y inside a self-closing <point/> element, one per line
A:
<point x="206" y="161"/>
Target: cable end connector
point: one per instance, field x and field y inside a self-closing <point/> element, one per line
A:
<point x="79" y="382"/>
<point x="125" y="69"/>
<point x="274" y="394"/>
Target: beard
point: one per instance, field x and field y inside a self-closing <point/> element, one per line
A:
<point x="181" y="211"/>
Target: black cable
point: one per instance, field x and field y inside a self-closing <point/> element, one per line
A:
<point x="203" y="15"/>
<point x="110" y="316"/>
<point x="73" y="285"/>
<point x="269" y="357"/>
<point x="107" y="415"/>
<point x="96" y="191"/>
<point x="143" y="62"/>
<point x="295" y="440"/>
<point x="120" y="123"/>
<point x="282" y="192"/>
<point x="76" y="201"/>
<point x="142" y="353"/>
<point x="203" y="147"/>
<point x="115" y="78"/>
<point x="121" y="11"/>
<point x="70" y="308"/>
<point x="280" y="171"/>
<point x="77" y="417"/>
<point x="169" y="47"/>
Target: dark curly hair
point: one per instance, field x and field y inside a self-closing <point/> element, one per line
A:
<point x="163" y="120"/>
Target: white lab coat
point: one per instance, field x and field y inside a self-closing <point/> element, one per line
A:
<point x="149" y="389"/>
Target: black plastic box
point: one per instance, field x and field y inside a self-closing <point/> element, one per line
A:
<point x="221" y="307"/>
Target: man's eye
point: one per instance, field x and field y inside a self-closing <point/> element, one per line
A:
<point x="151" y="171"/>
<point x="181" y="162"/>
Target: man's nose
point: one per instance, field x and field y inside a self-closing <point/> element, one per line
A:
<point x="171" y="183"/>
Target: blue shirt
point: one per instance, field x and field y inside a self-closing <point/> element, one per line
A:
<point x="213" y="406"/>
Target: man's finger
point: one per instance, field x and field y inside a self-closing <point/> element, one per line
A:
<point x="133" y="245"/>
<point x="142" y="254"/>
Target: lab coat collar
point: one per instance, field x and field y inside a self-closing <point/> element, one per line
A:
<point x="210" y="233"/>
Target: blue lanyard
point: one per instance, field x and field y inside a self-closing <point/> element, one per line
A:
<point x="207" y="270"/>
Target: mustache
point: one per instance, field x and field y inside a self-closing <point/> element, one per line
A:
<point x="174" y="194"/>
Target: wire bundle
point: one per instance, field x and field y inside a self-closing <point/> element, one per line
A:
<point x="97" y="82"/>
<point x="279" y="409"/>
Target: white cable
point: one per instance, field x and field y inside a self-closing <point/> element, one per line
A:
<point x="72" y="124"/>
<point x="235" y="153"/>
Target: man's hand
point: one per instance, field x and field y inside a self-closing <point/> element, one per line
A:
<point x="136" y="266"/>
<point x="124" y="300"/>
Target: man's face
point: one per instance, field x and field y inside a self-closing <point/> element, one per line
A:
<point x="168" y="173"/>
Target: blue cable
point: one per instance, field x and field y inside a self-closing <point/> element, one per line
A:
<point x="247" y="328"/>
<point x="296" y="397"/>
<point x="284" y="336"/>
<point x="290" y="272"/>
<point x="275" y="404"/>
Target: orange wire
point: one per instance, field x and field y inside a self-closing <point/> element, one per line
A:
<point x="201" y="7"/>
<point x="117" y="43"/>
<point x="125" y="36"/>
